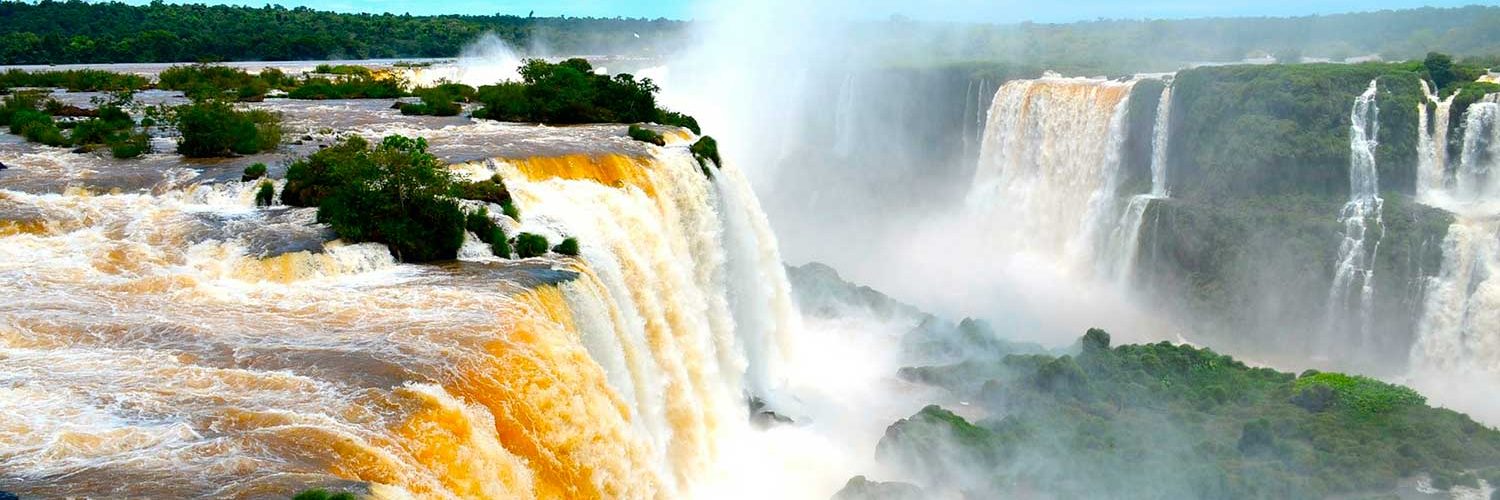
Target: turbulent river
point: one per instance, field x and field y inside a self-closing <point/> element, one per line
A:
<point x="174" y="340"/>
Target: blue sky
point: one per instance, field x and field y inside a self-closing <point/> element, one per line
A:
<point x="948" y="10"/>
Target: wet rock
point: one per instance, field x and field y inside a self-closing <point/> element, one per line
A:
<point x="763" y="417"/>
<point x="860" y="488"/>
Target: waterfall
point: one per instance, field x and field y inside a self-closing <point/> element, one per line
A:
<point x="1355" y="267"/>
<point x="1476" y="179"/>
<point x="1048" y="165"/>
<point x="1126" y="238"/>
<point x="1432" y="142"/>
<point x="1459" y="331"/>
<point x="219" y="369"/>
<point x="1160" y="134"/>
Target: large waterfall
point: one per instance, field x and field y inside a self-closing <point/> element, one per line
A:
<point x="1460" y="328"/>
<point x="1049" y="166"/>
<point x="1354" y="274"/>
<point x="158" y="345"/>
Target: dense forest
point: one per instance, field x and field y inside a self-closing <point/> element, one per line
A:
<point x="48" y="32"/>
<point x="51" y="32"/>
<point x="1171" y="421"/>
<point x="1125" y="46"/>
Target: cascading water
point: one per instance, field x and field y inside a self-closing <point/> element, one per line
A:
<point x="1476" y="178"/>
<point x="1432" y="142"/>
<point x="1353" y="291"/>
<point x="1459" y="333"/>
<point x="223" y="372"/>
<point x="1125" y="241"/>
<point x="1049" y="164"/>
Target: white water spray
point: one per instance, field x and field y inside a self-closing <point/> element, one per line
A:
<point x="1354" y="275"/>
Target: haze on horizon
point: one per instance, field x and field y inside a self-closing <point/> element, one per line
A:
<point x="1005" y="11"/>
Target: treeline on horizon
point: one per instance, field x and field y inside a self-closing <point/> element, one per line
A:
<point x="72" y="32"/>
<point x="1117" y="47"/>
<point x="50" y="32"/>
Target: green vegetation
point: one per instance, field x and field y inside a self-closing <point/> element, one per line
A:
<point x="1445" y="75"/>
<point x="508" y="207"/>
<point x="215" y="128"/>
<point x="645" y="135"/>
<point x="342" y="69"/>
<point x="37" y="126"/>
<point x="491" y="190"/>
<point x="1253" y="272"/>
<point x="706" y="150"/>
<point x="1175" y="421"/>
<point x="442" y="100"/>
<point x="1361" y="397"/>
<point x="480" y="223"/>
<point x="76" y="80"/>
<point x="568" y="246"/>
<point x="860" y="488"/>
<point x="394" y="193"/>
<point x="51" y="33"/>
<point x="322" y="494"/>
<point x="28" y="115"/>
<point x="360" y="87"/>
<point x="569" y="92"/>
<point x="1283" y="129"/>
<point x="130" y="146"/>
<point x="207" y="81"/>
<point x="530" y="245"/>
<point x="254" y="171"/>
<point x="265" y="194"/>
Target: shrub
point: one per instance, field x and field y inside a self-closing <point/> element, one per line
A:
<point x="21" y="101"/>
<point x="215" y="128"/>
<point x="130" y="146"/>
<point x="78" y="80"/>
<point x="349" y="88"/>
<point x="266" y="194"/>
<point x="439" y="101"/>
<point x="342" y="69"/>
<point x="394" y="193"/>
<point x="1256" y="437"/>
<point x="530" y="245"/>
<point x="646" y="135"/>
<point x="322" y="494"/>
<point x="483" y="227"/>
<point x="705" y="150"/>
<point x="310" y="180"/>
<point x="211" y="81"/>
<point x="1362" y="396"/>
<point x="253" y="172"/>
<point x="490" y="190"/>
<point x="569" y="246"/>
<point x="678" y="119"/>
<point x="508" y="207"/>
<point x="569" y="92"/>
<point x="36" y="126"/>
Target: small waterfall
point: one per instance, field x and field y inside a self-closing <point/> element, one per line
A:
<point x="1354" y="275"/>
<point x="1432" y="142"/>
<point x="1460" y="327"/>
<point x="1160" y="134"/>
<point x="1125" y="241"/>
<point x="1049" y="164"/>
<point x="1476" y="178"/>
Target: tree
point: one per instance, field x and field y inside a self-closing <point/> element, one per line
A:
<point x="1095" y="340"/>
<point x="1440" y="69"/>
<point x="394" y="193"/>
